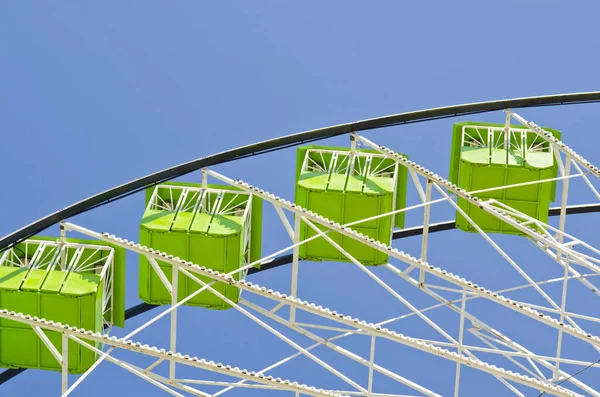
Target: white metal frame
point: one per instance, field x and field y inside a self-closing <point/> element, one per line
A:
<point x="52" y="255"/>
<point x="578" y="261"/>
<point x="200" y="200"/>
<point x="360" y="326"/>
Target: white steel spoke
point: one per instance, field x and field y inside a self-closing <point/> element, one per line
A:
<point x="418" y="185"/>
<point x="487" y="207"/>
<point x="276" y="333"/>
<point x="451" y="305"/>
<point x="295" y="259"/>
<point x="556" y="144"/>
<point x="370" y="329"/>
<point x="122" y="343"/>
<point x="49" y="345"/>
<point x="371" y="364"/>
<point x="329" y="343"/>
<point x="538" y="374"/>
<point x="352" y="355"/>
<point x="501" y="339"/>
<point x="410" y="260"/>
<point x="385" y="286"/>
<point x="506" y="257"/>
<point x="481" y="325"/>
<point x="285" y="221"/>
<point x="460" y="340"/>
<point x="136" y="331"/>
<point x="587" y="181"/>
<point x="173" y="328"/>
<point x="546" y="373"/>
<point x="562" y="220"/>
<point x="65" y="362"/>
<point x="425" y="237"/>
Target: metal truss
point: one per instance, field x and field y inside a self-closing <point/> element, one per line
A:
<point x="579" y="261"/>
<point x="81" y="336"/>
<point x="353" y="324"/>
<point x="306" y="216"/>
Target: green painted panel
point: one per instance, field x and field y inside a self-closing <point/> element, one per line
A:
<point x="54" y="280"/>
<point x="359" y="250"/>
<point x="476" y="168"/>
<point x="78" y="284"/>
<point x="11" y="278"/>
<point x="203" y="249"/>
<point x="337" y="183"/>
<point x="225" y="225"/>
<point x="347" y="199"/>
<point x="484" y="177"/>
<point x="376" y="185"/>
<point x="319" y="248"/>
<point x="369" y="207"/>
<point x="314" y="180"/>
<point x="60" y="309"/>
<point x="78" y="303"/>
<point x="144" y="266"/>
<point x="200" y="224"/>
<point x="346" y="208"/>
<point x="65" y="311"/>
<point x="76" y="353"/>
<point x="328" y="204"/>
<point x="170" y="242"/>
<point x="158" y="220"/>
<point x="456" y="153"/>
<point x="255" y="216"/>
<point x="533" y="200"/>
<point x="34" y="280"/>
<point x="23" y="302"/>
<point x="355" y="183"/>
<point x="183" y="222"/>
<point x="539" y="160"/>
<point x="206" y="250"/>
<point x="156" y="292"/>
<point x="20" y="348"/>
<point x="214" y="241"/>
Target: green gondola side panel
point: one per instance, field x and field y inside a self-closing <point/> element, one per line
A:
<point x="68" y="297"/>
<point x="116" y="313"/>
<point x="78" y="303"/>
<point x="212" y="240"/>
<point x="484" y="157"/>
<point x="349" y="197"/>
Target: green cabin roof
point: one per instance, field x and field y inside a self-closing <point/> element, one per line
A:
<point x="202" y="223"/>
<point x="76" y="283"/>
<point x="538" y="160"/>
<point x="373" y="186"/>
<point x="35" y="280"/>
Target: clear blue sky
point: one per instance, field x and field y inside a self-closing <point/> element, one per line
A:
<point x="95" y="94"/>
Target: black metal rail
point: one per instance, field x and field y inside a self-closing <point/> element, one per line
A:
<point x="137" y="185"/>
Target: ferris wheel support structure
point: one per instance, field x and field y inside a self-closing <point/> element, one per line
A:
<point x="561" y="247"/>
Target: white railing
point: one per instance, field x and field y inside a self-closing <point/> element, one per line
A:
<point x="516" y="141"/>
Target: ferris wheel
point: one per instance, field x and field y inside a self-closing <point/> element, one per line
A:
<point x="200" y="244"/>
